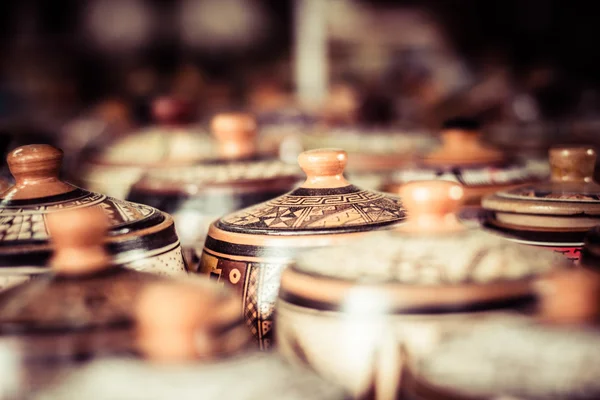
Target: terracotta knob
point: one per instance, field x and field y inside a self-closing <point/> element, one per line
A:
<point x="236" y="134"/>
<point x="171" y="111"/>
<point x="36" y="170"/>
<point x="572" y="164"/>
<point x="431" y="206"/>
<point x="570" y="296"/>
<point x="324" y="168"/>
<point x="78" y="238"/>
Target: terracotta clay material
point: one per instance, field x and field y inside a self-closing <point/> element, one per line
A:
<point x="556" y="214"/>
<point x="198" y="194"/>
<point x="139" y="237"/>
<point x="350" y="311"/>
<point x="250" y="248"/>
<point x="464" y="158"/>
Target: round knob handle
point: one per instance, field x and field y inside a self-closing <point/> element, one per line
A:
<point x="171" y="111"/>
<point x="324" y="168"/>
<point x="236" y="134"/>
<point x="36" y="170"/>
<point x="572" y="164"/>
<point x="432" y="206"/>
<point x="78" y="238"/>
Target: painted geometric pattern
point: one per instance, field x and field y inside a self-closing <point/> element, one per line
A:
<point x="28" y="223"/>
<point x="295" y="212"/>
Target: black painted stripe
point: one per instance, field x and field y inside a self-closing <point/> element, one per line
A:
<point x="72" y="195"/>
<point x="246" y="250"/>
<point x="519" y="303"/>
<point x="304" y="192"/>
<point x="539" y="236"/>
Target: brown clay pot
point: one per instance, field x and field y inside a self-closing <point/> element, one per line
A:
<point x="250" y="248"/>
<point x="464" y="158"/>
<point x="350" y="312"/>
<point x="140" y="237"/>
<point x="174" y="140"/>
<point x="555" y="214"/>
<point x="196" y="195"/>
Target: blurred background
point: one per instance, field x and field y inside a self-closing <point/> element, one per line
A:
<point x="372" y="62"/>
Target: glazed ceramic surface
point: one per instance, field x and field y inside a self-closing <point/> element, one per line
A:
<point x="555" y="214"/>
<point x="465" y="159"/>
<point x="250" y="248"/>
<point x="140" y="237"/>
<point x="350" y="311"/>
<point x="199" y="194"/>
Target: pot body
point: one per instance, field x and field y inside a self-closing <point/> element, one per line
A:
<point x="369" y="351"/>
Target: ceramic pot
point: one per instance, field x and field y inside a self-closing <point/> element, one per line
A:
<point x="348" y="311"/>
<point x="175" y="140"/>
<point x="555" y="214"/>
<point x="197" y="195"/>
<point x="464" y="158"/>
<point x="87" y="307"/>
<point x="374" y="154"/>
<point x="250" y="248"/>
<point x="140" y="237"/>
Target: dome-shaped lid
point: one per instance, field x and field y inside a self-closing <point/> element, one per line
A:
<point x="84" y="292"/>
<point x="324" y="203"/>
<point x="173" y="140"/>
<point x="38" y="192"/>
<point x="571" y="190"/>
<point x="238" y="162"/>
<point x="432" y="249"/>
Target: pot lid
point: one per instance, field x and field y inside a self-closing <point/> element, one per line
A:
<point x="324" y="203"/>
<point x="571" y="192"/>
<point x="173" y="140"/>
<point x="238" y="164"/>
<point x="83" y="292"/>
<point x="38" y="192"/>
<point x="432" y="249"/>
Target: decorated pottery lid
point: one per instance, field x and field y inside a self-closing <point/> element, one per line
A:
<point x="431" y="250"/>
<point x="464" y="158"/>
<point x="84" y="294"/>
<point x="570" y="201"/>
<point x="325" y="203"/>
<point x="135" y="230"/>
<point x="238" y="164"/>
<point x="174" y="140"/>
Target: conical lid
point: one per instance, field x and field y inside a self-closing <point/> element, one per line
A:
<point x="83" y="294"/>
<point x="432" y="249"/>
<point x="571" y="195"/>
<point x="38" y="192"/>
<point x="325" y="203"/>
<point x="238" y="163"/>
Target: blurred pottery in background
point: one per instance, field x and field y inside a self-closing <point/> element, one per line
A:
<point x="113" y="168"/>
<point x="250" y="248"/>
<point x="197" y="195"/>
<point x="555" y="214"/>
<point x="464" y="158"/>
<point x="356" y="313"/>
<point x="139" y="237"/>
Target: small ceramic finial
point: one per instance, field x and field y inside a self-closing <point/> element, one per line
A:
<point x="570" y="296"/>
<point x="572" y="164"/>
<point x="324" y="168"/>
<point x="36" y="170"/>
<point x="461" y="144"/>
<point x="236" y="134"/>
<point x="78" y="239"/>
<point x="432" y="206"/>
<point x="170" y="111"/>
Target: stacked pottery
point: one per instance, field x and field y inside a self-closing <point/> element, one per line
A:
<point x="197" y="195"/>
<point x="555" y="214"/>
<point x="250" y="248"/>
<point x="87" y="307"/>
<point x="174" y="141"/>
<point x="464" y="158"/>
<point x="139" y="237"/>
<point x="356" y="313"/>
